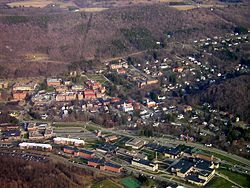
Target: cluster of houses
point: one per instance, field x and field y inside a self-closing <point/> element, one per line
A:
<point x="65" y="91"/>
<point x="21" y="90"/>
<point x="133" y="75"/>
<point x="221" y="43"/>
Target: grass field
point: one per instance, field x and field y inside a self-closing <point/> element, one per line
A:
<point x="31" y="3"/>
<point x="218" y="182"/>
<point x="190" y="7"/>
<point x="130" y="182"/>
<point x="242" y="180"/>
<point x="98" y="78"/>
<point x="106" y="184"/>
<point x="36" y="57"/>
<point x="41" y="3"/>
<point x="93" y="9"/>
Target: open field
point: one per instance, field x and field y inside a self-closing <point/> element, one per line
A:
<point x="218" y="182"/>
<point x="130" y="182"/>
<point x="98" y="78"/>
<point x="190" y="7"/>
<point x="106" y="184"/>
<point x="242" y="180"/>
<point x="31" y="3"/>
<point x="36" y="57"/>
<point x="41" y="3"/>
<point x="93" y="9"/>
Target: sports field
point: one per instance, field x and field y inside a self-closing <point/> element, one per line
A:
<point x="130" y="182"/>
<point x="106" y="184"/>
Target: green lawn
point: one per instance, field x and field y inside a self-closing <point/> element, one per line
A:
<point x="98" y="78"/>
<point x="130" y="182"/>
<point x="106" y="184"/>
<point x="241" y="179"/>
<point x="218" y="182"/>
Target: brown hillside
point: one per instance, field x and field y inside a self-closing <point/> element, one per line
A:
<point x="63" y="37"/>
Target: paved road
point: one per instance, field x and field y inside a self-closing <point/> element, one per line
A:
<point x="167" y="140"/>
<point x="164" y="141"/>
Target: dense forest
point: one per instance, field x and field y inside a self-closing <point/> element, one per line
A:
<point x="15" y="172"/>
<point x="39" y="42"/>
<point x="232" y="95"/>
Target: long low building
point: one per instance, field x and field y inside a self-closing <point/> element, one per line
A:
<point x="105" y="166"/>
<point x="135" y="143"/>
<point x="29" y="145"/>
<point x="78" y="152"/>
<point x="68" y="141"/>
<point x="145" y="164"/>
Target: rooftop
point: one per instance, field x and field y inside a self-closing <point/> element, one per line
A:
<point x="183" y="165"/>
<point x="144" y="162"/>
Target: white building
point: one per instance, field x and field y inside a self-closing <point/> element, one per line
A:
<point x="68" y="141"/>
<point x="27" y="145"/>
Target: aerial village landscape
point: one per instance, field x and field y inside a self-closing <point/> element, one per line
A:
<point x="134" y="121"/>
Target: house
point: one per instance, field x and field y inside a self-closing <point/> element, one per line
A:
<point x="19" y="95"/>
<point x="54" y="82"/>
<point x="25" y="86"/>
<point x="141" y="83"/>
<point x="127" y="107"/>
<point x="152" y="81"/>
<point x="121" y="71"/>
<point x="77" y="88"/>
<point x="116" y="66"/>
<point x="3" y="84"/>
<point x="188" y="108"/>
<point x="178" y="69"/>
<point x="67" y="96"/>
<point x="89" y="94"/>
<point x="93" y="85"/>
<point x="144" y="164"/>
<point x="150" y="103"/>
<point x="61" y="89"/>
<point x="80" y="96"/>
